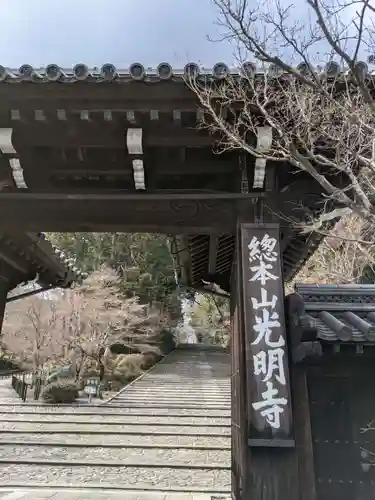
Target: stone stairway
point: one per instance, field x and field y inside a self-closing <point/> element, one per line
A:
<point x="165" y="436"/>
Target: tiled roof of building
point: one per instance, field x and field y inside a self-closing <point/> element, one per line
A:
<point x="340" y="313"/>
<point x="136" y="71"/>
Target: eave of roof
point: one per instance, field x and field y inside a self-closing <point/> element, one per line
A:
<point x="340" y="313"/>
<point x="36" y="259"/>
<point x="192" y="256"/>
<point x="63" y="265"/>
<point x="53" y="73"/>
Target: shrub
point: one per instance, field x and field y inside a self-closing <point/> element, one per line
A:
<point x="6" y="364"/>
<point x="61" y="391"/>
<point x="61" y="372"/>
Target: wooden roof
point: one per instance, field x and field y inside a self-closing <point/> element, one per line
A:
<point x="108" y="150"/>
<point x="30" y="256"/>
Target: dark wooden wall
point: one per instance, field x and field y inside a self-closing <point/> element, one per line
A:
<point x="342" y="404"/>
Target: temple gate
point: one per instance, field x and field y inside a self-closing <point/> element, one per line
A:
<point x="106" y="150"/>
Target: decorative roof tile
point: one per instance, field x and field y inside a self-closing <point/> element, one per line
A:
<point x="340" y="313"/>
<point x="53" y="73"/>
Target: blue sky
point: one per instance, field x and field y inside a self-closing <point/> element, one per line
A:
<point x="65" y="32"/>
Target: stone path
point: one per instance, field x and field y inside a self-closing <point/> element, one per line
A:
<point x="164" y="437"/>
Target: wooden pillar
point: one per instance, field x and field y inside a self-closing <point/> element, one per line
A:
<point x="3" y="297"/>
<point x="262" y="414"/>
<point x="238" y="389"/>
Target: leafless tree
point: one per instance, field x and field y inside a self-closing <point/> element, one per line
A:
<point x="321" y="119"/>
<point x="96" y="315"/>
<point x="74" y="326"/>
<point x="342" y="258"/>
<point x="29" y="332"/>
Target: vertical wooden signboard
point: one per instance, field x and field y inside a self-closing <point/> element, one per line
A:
<point x="268" y="387"/>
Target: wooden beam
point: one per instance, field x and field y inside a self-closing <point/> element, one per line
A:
<point x="120" y="195"/>
<point x="136" y="96"/>
<point x="69" y="168"/>
<point x="212" y="255"/>
<point x="168" y="213"/>
<point x="103" y="135"/>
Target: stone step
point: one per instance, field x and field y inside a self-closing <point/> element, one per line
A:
<point x="135" y="407"/>
<point x="94" y="428"/>
<point x="172" y="407"/>
<point x="178" y="388"/>
<point x="176" y="440"/>
<point x="180" y="381"/>
<point x="198" y="401"/>
<point x="177" y="385"/>
<point x="199" y="398"/>
<point x="170" y="430"/>
<point x="159" y="393"/>
<point x="189" y="406"/>
<point x="117" y="419"/>
<point x="99" y="494"/>
<point x="167" y="389"/>
<point x="109" y="410"/>
<point x="171" y="371"/>
<point x="124" y="456"/>
<point x="132" y="478"/>
<point x="189" y="392"/>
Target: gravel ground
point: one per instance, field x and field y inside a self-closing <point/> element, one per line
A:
<point x="122" y="439"/>
<point x="147" y="429"/>
<point x="144" y="478"/>
<point x="128" y="455"/>
<point x="110" y="410"/>
<point x="121" y="419"/>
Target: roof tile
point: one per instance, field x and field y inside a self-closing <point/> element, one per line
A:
<point x="340" y="313"/>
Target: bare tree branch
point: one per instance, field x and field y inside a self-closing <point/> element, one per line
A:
<point x="322" y="122"/>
